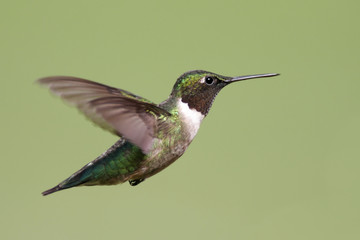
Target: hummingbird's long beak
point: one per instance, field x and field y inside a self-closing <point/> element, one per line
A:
<point x="241" y="78"/>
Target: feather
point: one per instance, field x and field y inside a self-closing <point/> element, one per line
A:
<point x="116" y="110"/>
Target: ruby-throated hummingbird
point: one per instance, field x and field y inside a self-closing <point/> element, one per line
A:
<point x="152" y="136"/>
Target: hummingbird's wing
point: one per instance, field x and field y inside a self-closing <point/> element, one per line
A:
<point x="116" y="110"/>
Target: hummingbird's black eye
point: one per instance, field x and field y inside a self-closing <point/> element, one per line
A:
<point x="209" y="80"/>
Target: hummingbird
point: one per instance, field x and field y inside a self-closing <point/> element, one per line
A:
<point x="152" y="136"/>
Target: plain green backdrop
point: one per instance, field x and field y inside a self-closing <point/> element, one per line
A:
<point x="276" y="158"/>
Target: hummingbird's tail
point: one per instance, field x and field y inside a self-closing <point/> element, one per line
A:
<point x="81" y="177"/>
<point x="115" y="166"/>
<point x="52" y="190"/>
<point x="74" y="180"/>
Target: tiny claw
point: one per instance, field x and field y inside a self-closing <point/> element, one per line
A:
<point x="136" y="181"/>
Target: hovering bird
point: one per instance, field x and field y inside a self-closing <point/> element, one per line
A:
<point x="152" y="136"/>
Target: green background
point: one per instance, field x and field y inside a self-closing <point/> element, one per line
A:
<point x="276" y="158"/>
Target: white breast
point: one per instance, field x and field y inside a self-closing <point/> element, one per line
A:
<point x="190" y="117"/>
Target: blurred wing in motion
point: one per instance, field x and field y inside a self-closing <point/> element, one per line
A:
<point x="116" y="110"/>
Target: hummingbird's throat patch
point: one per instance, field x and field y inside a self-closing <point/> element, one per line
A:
<point x="201" y="100"/>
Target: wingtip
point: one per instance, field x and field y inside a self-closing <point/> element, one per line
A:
<point x="47" y="80"/>
<point x="44" y="80"/>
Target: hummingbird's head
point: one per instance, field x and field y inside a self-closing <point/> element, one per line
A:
<point x="199" y="88"/>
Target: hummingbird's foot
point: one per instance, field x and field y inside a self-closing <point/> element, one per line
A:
<point x="136" y="181"/>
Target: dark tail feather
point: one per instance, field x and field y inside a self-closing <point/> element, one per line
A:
<point x="52" y="190"/>
<point x="79" y="178"/>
